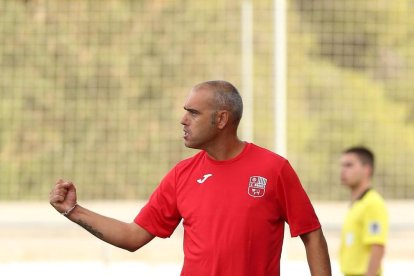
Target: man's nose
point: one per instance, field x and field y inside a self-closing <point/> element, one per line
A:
<point x="184" y="119"/>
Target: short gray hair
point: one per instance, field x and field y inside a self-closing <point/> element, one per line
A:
<point x="226" y="97"/>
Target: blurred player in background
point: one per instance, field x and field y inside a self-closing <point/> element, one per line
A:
<point x="234" y="198"/>
<point x="365" y="229"/>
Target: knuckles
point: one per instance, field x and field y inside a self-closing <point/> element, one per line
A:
<point x="59" y="192"/>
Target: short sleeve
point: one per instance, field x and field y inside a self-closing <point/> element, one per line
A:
<point x="296" y="207"/>
<point x="160" y="215"/>
<point x="375" y="223"/>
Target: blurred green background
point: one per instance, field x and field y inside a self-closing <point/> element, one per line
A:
<point x="92" y="91"/>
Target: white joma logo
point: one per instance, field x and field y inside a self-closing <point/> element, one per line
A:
<point x="204" y="178"/>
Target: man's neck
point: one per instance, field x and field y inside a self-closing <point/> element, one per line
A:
<point x="358" y="191"/>
<point x="226" y="150"/>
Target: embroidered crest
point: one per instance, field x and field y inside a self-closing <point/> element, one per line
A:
<point x="257" y="186"/>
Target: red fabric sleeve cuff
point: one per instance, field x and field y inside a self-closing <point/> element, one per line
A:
<point x="305" y="230"/>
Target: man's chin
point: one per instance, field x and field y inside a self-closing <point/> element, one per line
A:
<point x="345" y="184"/>
<point x="188" y="145"/>
<point x="348" y="185"/>
<point x="191" y="145"/>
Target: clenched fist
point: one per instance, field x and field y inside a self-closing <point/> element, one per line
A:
<point x="63" y="196"/>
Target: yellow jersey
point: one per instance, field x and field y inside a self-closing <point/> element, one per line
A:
<point x="366" y="223"/>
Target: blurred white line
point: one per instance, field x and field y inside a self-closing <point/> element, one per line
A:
<point x="391" y="268"/>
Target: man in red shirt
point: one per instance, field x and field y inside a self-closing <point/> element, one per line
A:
<point x="233" y="197"/>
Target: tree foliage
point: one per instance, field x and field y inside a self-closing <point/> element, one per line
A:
<point x="92" y="91"/>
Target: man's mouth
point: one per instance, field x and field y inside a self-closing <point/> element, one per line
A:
<point x="186" y="133"/>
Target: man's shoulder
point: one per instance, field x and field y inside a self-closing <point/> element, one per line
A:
<point x="374" y="199"/>
<point x="374" y="195"/>
<point x="190" y="160"/>
<point x="266" y="153"/>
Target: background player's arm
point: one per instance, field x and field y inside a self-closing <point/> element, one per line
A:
<point x="129" y="236"/>
<point x="317" y="253"/>
<point x="374" y="265"/>
<point x="375" y="231"/>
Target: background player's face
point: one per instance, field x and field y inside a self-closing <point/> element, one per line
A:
<point x="353" y="171"/>
<point x="198" y="120"/>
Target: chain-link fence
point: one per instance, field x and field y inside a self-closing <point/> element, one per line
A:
<point x="92" y="91"/>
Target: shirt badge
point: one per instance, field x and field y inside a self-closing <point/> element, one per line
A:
<point x="257" y="186"/>
<point x="374" y="228"/>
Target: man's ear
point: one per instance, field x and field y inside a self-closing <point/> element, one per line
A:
<point x="222" y="118"/>
<point x="370" y="170"/>
<point x="367" y="169"/>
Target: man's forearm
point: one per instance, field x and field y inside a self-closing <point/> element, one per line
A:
<point x="90" y="229"/>
<point x="317" y="253"/>
<point x="124" y="235"/>
<point x="374" y="265"/>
